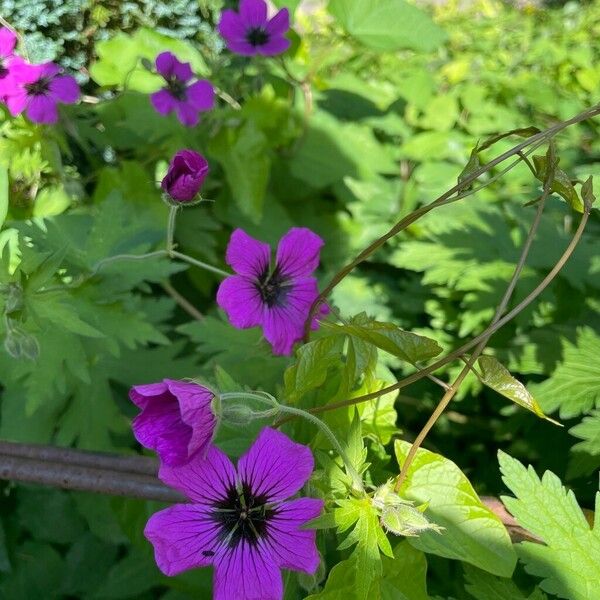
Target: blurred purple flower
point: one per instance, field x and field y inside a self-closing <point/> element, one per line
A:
<point x="8" y="41"/>
<point x="187" y="99"/>
<point x="277" y="297"/>
<point x="176" y="419"/>
<point x="37" y="89"/>
<point x="239" y="520"/>
<point x="187" y="171"/>
<point x="250" y="32"/>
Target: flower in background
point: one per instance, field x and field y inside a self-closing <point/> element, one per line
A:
<point x="8" y="41"/>
<point x="275" y="296"/>
<point x="181" y="95"/>
<point x="37" y="89"/>
<point x="240" y="521"/>
<point x="187" y="171"/>
<point x="250" y="32"/>
<point x="176" y="421"/>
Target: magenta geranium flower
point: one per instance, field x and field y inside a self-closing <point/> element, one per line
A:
<point x="250" y="32"/>
<point x="176" y="421"/>
<point x="37" y="89"/>
<point x="181" y="94"/>
<point x="277" y="296"/>
<point x="8" y="41"/>
<point x="240" y="521"/>
<point x="187" y="171"/>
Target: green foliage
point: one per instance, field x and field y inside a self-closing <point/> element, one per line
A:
<point x="569" y="562"/>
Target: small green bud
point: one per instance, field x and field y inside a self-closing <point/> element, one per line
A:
<point x="237" y="414"/>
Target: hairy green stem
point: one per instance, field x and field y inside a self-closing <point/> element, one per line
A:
<point x="171" y="229"/>
<point x="199" y="263"/>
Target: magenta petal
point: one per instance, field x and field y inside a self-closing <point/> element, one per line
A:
<point x="165" y="64"/>
<point x="276" y="45"/>
<point x="163" y="102"/>
<point x="279" y="24"/>
<point x="231" y="26"/>
<point x="16" y="100"/>
<point x="142" y="395"/>
<point x="42" y="109"/>
<point x="182" y="70"/>
<point x="298" y="252"/>
<point x="203" y="479"/>
<point x="274" y="466"/>
<point x="48" y="69"/>
<point x="8" y="41"/>
<point x="241" y="300"/>
<point x="293" y="547"/>
<point x="242" y="47"/>
<point x="187" y="114"/>
<point x="253" y="12"/>
<point x="246" y="255"/>
<point x="184" y="536"/>
<point x="247" y="572"/>
<point x="201" y="95"/>
<point x="64" y="88"/>
<point x="195" y="408"/>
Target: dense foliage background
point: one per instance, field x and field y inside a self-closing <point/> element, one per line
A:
<point x="376" y="131"/>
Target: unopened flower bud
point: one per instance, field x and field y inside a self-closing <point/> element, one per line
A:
<point x="186" y="174"/>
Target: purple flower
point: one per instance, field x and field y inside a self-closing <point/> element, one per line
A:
<point x="8" y="41"/>
<point x="185" y="176"/>
<point x="250" y="32"/>
<point x="240" y="521"/>
<point x="275" y="296"/>
<point x="37" y="89"/>
<point x="187" y="99"/>
<point x="176" y="419"/>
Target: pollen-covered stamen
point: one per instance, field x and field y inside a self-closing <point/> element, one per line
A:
<point x="257" y="36"/>
<point x="39" y="87"/>
<point x="177" y="88"/>
<point x="242" y="516"/>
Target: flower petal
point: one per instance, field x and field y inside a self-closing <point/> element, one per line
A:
<point x="142" y="395"/>
<point x="242" y="47"/>
<point x="16" y="100"/>
<point x="184" y="537"/>
<point x="247" y="572"/>
<point x="187" y="114"/>
<point x="279" y="24"/>
<point x="8" y="41"/>
<point x="253" y="13"/>
<point x="42" y="109"/>
<point x="195" y="410"/>
<point x="240" y="299"/>
<point x="165" y="64"/>
<point x="284" y="325"/>
<point x="274" y="466"/>
<point x="163" y="102"/>
<point x="182" y="70"/>
<point x="203" y="479"/>
<point x="201" y="95"/>
<point x="64" y="88"/>
<point x="276" y="45"/>
<point x="298" y="252"/>
<point x="231" y="26"/>
<point x="246" y="255"/>
<point x="293" y="547"/>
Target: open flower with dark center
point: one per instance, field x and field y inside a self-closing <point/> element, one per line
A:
<point x="275" y="295"/>
<point x="181" y="93"/>
<point x="240" y="520"/>
<point x="250" y="32"/>
<point x="8" y="41"/>
<point x="176" y="421"/>
<point x="38" y="89"/>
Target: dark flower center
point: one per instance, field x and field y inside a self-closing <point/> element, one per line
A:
<point x="272" y="288"/>
<point x="39" y="87"/>
<point x="242" y="516"/>
<point x="257" y="36"/>
<point x="177" y="88"/>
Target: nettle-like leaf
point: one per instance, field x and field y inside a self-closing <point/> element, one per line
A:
<point x="496" y="376"/>
<point x="483" y="586"/>
<point x="588" y="431"/>
<point x="574" y="387"/>
<point x="569" y="560"/>
<point x="473" y="533"/>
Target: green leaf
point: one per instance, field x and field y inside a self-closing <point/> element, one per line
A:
<point x="387" y="24"/>
<point x="496" y="376"/>
<point x="405" y="345"/>
<point x="561" y="184"/>
<point x="235" y="149"/>
<point x="342" y="583"/>
<point x="404" y="576"/>
<point x="569" y="560"/>
<point x="3" y="194"/>
<point x="588" y="431"/>
<point x="473" y="533"/>
<point x="483" y="586"/>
